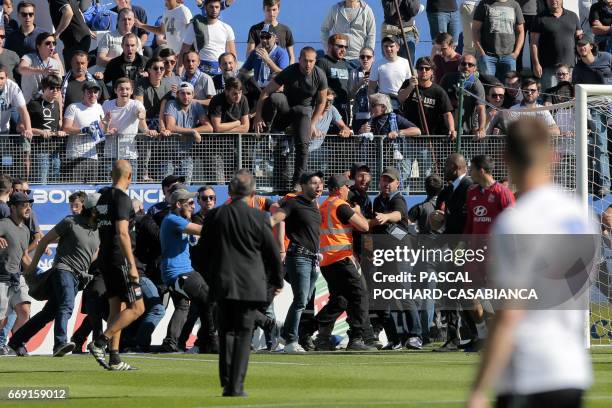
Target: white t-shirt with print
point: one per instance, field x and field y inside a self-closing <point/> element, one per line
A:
<point x="10" y="97"/>
<point x="125" y="120"/>
<point x="79" y="146"/>
<point x="176" y="22"/>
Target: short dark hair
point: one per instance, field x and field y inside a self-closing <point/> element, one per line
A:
<point x="389" y="38"/>
<point x="205" y="187"/>
<point x="425" y="61"/>
<point x="51" y="81"/>
<point x="271" y="3"/>
<point x="225" y="54"/>
<point x="443" y="38"/>
<point x="78" y="195"/>
<point x="152" y="61"/>
<point x="512" y="75"/>
<point x="304" y="50"/>
<point x="192" y="51"/>
<point x="79" y="53"/>
<point x="128" y="36"/>
<point x="530" y="81"/>
<point x="122" y="80"/>
<point x="433" y="185"/>
<point x="483" y="162"/>
<point x="4" y="68"/>
<point x="233" y="84"/>
<point x="243" y="184"/>
<point x="166" y="52"/>
<point x="23" y="4"/>
<point x="125" y="10"/>
<point x="42" y="37"/>
<point x="16" y="182"/>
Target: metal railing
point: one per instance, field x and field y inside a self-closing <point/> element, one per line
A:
<point x="77" y="159"/>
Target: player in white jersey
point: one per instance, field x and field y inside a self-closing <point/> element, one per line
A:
<point x="533" y="358"/>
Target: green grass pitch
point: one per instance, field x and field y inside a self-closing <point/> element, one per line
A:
<point x="387" y="379"/>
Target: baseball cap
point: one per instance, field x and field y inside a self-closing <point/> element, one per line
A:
<point x="171" y="179"/>
<point x="91" y="200"/>
<point x="338" y="180"/>
<point x="185" y="85"/>
<point x="18" y="198"/>
<point x="91" y="85"/>
<point x="391" y="172"/>
<point x="305" y="177"/>
<point x="585" y="39"/>
<point x="359" y="166"/>
<point x="268" y="28"/>
<point x="180" y="195"/>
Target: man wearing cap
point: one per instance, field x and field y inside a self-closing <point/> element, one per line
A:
<point x="163" y="206"/>
<point x="347" y="290"/>
<point x="82" y="122"/>
<point x="178" y="275"/>
<point x="117" y="264"/>
<point x="302" y="225"/>
<point x="388" y="76"/>
<point x="45" y="114"/>
<point x="187" y="118"/>
<point x="267" y="59"/>
<point x="14" y="257"/>
<point x="243" y="260"/>
<point x="76" y="250"/>
<point x="390" y="210"/>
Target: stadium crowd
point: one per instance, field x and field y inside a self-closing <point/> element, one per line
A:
<point x="57" y="108"/>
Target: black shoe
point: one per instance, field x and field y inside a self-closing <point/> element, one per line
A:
<point x="210" y="347"/>
<point x="168" y="348"/>
<point x="358" y="345"/>
<point x="234" y="394"/>
<point x="469" y="344"/>
<point x="307" y="343"/>
<point x="63" y="349"/>
<point x="20" y="351"/>
<point x="474" y="346"/>
<point x="374" y="343"/>
<point x="323" y="343"/>
<point x="448" y="347"/>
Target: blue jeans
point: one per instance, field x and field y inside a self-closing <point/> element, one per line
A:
<point x="498" y="66"/>
<point x="48" y="163"/>
<point x="4" y="333"/>
<point x="64" y="286"/>
<point x="549" y="79"/>
<point x="185" y="166"/>
<point x="600" y="145"/>
<point x="302" y="275"/>
<point x="154" y="312"/>
<point x="444" y="22"/>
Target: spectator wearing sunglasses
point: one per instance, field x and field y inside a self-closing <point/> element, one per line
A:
<point x="7" y="57"/>
<point x="34" y="67"/>
<point x="46" y="126"/>
<point x="358" y="86"/>
<point x="23" y="40"/>
<point x="207" y="199"/>
<point x="268" y="58"/>
<point x="467" y="71"/>
<point x="337" y="72"/>
<point x="495" y="99"/>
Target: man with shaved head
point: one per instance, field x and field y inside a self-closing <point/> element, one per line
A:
<point x="116" y="261"/>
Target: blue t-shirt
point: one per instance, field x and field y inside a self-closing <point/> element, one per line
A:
<point x="175" y="259"/>
<point x="261" y="69"/>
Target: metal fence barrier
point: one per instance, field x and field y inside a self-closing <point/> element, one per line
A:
<point x="78" y="159"/>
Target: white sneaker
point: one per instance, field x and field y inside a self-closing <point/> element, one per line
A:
<point x="294" y="347"/>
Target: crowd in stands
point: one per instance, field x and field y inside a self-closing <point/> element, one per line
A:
<point x="57" y="108"/>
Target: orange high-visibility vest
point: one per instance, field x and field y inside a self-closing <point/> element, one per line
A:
<point x="336" y="239"/>
<point x="256" y="201"/>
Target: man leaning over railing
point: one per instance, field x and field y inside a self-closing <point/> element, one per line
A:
<point x="187" y="118"/>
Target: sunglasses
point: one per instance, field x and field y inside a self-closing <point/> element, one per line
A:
<point x="208" y="198"/>
<point x="92" y="90"/>
<point x="529" y="91"/>
<point x="55" y="88"/>
<point x="2" y="36"/>
<point x="160" y="69"/>
<point x="24" y="15"/>
<point x="53" y="43"/>
<point x="170" y="62"/>
<point x="423" y="68"/>
<point x="468" y="64"/>
<point x="366" y="57"/>
<point x="496" y="96"/>
<point x="341" y="46"/>
<point x="190" y="203"/>
<point x="265" y="36"/>
<point x="23" y="191"/>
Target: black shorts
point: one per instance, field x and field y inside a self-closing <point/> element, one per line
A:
<point x="117" y="281"/>
<point x="565" y="398"/>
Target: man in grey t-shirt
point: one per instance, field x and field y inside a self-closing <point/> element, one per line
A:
<point x="14" y="238"/>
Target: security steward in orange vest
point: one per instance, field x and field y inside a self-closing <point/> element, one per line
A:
<point x="347" y="291"/>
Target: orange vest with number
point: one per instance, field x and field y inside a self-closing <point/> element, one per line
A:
<point x="336" y="239"/>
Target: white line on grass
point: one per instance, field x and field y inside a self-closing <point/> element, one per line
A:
<point x="216" y="361"/>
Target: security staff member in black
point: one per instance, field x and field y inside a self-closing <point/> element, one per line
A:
<point x="239" y="250"/>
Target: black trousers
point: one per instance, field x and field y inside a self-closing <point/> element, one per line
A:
<point x="236" y="322"/>
<point x="197" y="290"/>
<point x="347" y="292"/>
<point x="278" y="111"/>
<point x="567" y="398"/>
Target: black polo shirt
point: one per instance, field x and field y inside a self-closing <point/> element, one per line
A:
<point x="303" y="221"/>
<point x="386" y="205"/>
<point x="557" y="38"/>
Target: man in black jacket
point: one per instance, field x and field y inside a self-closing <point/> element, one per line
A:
<point x="450" y="217"/>
<point x="239" y="250"/>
